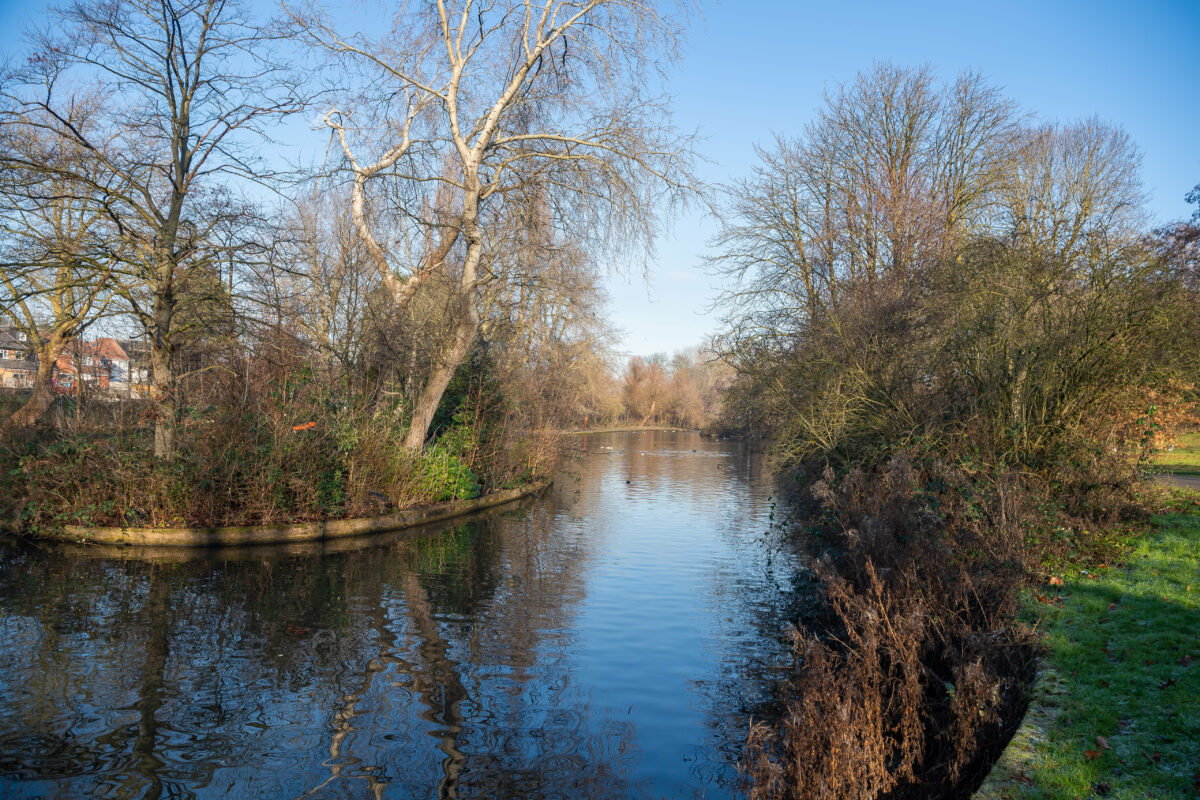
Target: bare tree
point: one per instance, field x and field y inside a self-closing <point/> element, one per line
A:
<point x="922" y="258"/>
<point x="645" y="387"/>
<point x="56" y="263"/>
<point x="184" y="83"/>
<point x="1069" y="189"/>
<point x="541" y="317"/>
<point x="475" y="106"/>
<point x="895" y="170"/>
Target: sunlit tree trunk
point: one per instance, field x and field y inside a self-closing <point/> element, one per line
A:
<point x="27" y="416"/>
<point x="464" y="336"/>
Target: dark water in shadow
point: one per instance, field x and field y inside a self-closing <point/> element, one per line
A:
<point x="607" y="640"/>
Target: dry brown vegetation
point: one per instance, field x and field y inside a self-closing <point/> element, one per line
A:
<point x="911" y="682"/>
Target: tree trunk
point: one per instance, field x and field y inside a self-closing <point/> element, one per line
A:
<point x="431" y="393"/>
<point x="162" y="393"/>
<point x="650" y="413"/>
<point x="29" y="415"/>
<point x="464" y="334"/>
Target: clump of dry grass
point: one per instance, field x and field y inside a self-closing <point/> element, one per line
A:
<point x="910" y="684"/>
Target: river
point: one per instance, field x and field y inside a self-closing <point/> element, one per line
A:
<point x="610" y="639"/>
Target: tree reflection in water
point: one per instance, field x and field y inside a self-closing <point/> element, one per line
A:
<point x="605" y="641"/>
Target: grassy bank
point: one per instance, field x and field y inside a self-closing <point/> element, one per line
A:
<point x="1183" y="460"/>
<point x="1123" y="720"/>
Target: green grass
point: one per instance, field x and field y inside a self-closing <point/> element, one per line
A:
<point x="1184" y="459"/>
<point x="1125" y="644"/>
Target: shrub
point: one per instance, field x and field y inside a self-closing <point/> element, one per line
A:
<point x="912" y="682"/>
<point x="443" y="470"/>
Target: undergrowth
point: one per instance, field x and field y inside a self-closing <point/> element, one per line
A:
<point x="914" y="677"/>
<point x="292" y="459"/>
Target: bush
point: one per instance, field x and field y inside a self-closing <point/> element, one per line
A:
<point x="443" y="471"/>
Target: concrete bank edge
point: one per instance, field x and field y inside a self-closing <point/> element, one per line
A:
<point x="1009" y="775"/>
<point x="295" y="532"/>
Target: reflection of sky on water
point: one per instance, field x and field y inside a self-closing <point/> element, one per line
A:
<point x="602" y="642"/>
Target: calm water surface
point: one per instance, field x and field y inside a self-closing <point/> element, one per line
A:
<point x="607" y="640"/>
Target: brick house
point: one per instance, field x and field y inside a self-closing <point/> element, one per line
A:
<point x="17" y="364"/>
<point x="102" y="364"/>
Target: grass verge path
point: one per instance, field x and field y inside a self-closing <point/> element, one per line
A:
<point x="1116" y="711"/>
<point x="1183" y="460"/>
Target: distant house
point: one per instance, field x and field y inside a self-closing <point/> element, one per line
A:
<point x="137" y="366"/>
<point x="14" y="344"/>
<point x="17" y="365"/>
<point x="102" y="364"/>
<point x="17" y="373"/>
<point x="113" y="357"/>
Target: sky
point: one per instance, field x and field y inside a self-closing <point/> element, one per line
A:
<point x="754" y="68"/>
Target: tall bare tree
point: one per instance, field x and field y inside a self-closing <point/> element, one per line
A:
<point x="471" y="107"/>
<point x="895" y="169"/>
<point x="1072" y="188"/>
<point x="922" y="257"/>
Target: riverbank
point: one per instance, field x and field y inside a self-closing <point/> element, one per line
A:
<point x="347" y="465"/>
<point x="909" y="675"/>
<point x="1114" y="712"/>
<point x="285" y="534"/>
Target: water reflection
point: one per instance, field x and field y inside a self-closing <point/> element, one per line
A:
<point x="604" y="641"/>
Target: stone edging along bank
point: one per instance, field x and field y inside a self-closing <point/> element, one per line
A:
<point x="1008" y="773"/>
<point x="296" y="532"/>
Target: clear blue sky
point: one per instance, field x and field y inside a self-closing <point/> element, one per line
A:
<point x="754" y="67"/>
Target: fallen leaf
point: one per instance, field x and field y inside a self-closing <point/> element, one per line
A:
<point x="1166" y="684"/>
<point x="1091" y="755"/>
<point x="1104" y="683"/>
<point x="1186" y="661"/>
<point x="1102" y="743"/>
<point x="1155" y="757"/>
<point x="1103" y="788"/>
<point x="1043" y="599"/>
<point x="1055" y="580"/>
<point x="1112" y="606"/>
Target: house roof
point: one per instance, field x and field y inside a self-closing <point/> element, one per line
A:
<point x="12" y="339"/>
<point x="109" y="348"/>
<point x="18" y="365"/>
